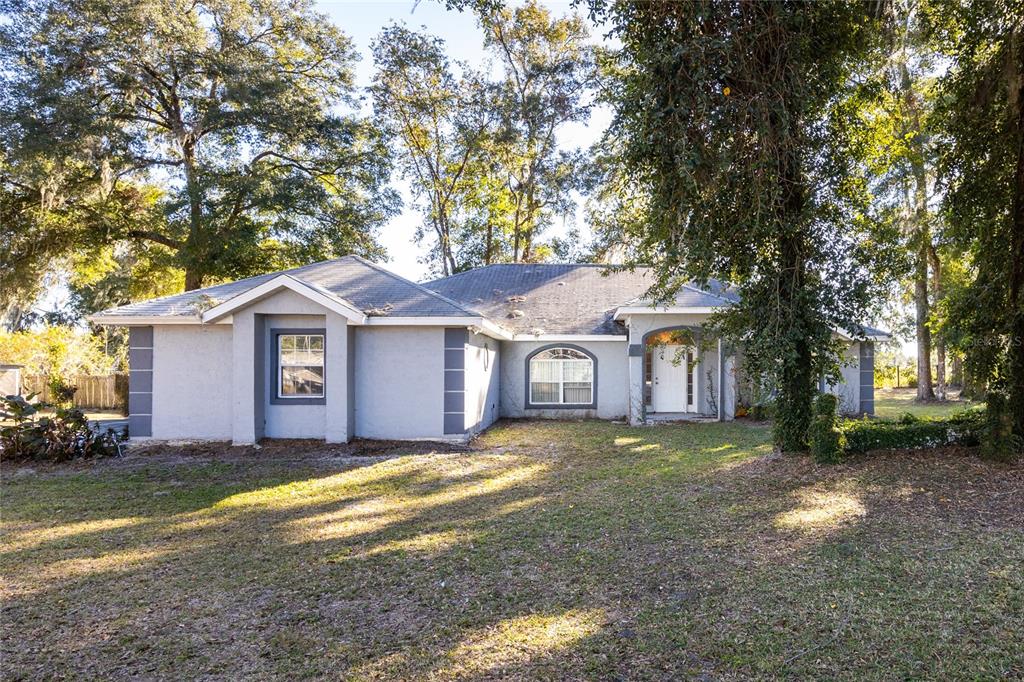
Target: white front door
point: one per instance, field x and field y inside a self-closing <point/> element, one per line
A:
<point x="675" y="379"/>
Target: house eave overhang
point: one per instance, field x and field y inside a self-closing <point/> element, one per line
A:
<point x="624" y="312"/>
<point x="322" y="297"/>
<point x="485" y="326"/>
<point x="146" y="320"/>
<point x="847" y="335"/>
<point x="526" y="336"/>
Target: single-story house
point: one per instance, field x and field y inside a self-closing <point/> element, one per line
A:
<point x="345" y="348"/>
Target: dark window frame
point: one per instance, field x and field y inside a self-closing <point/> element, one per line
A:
<point x="592" y="405"/>
<point x="275" y="384"/>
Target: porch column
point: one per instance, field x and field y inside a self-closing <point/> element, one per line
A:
<point x="336" y="370"/>
<point x="244" y="346"/>
<point x="636" y="379"/>
<point x="729" y="386"/>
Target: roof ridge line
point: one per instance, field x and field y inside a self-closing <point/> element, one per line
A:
<point x="387" y="272"/>
<point x="199" y="291"/>
<point x="613" y="266"/>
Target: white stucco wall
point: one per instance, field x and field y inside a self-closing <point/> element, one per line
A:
<point x="192" y="382"/>
<point x="399" y="382"/>
<point x="612" y="379"/>
<point x="848" y="391"/>
<point x="483" y="399"/>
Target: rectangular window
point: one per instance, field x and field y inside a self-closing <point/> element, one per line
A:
<point x="300" y="366"/>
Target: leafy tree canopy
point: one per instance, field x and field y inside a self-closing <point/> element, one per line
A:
<point x="736" y="121"/>
<point x="483" y="154"/>
<point x="234" y="109"/>
<point x="980" y="114"/>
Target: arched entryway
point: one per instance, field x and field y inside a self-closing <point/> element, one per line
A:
<point x="671" y="371"/>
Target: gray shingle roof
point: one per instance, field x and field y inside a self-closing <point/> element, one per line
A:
<point x="873" y="332"/>
<point x="363" y="284"/>
<point x="562" y="298"/>
<point x="525" y="298"/>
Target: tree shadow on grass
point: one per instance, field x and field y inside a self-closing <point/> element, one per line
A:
<point x="695" y="555"/>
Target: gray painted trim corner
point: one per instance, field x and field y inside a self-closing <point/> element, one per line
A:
<point x="453" y="403"/>
<point x="140" y="382"/>
<point x="867" y="377"/>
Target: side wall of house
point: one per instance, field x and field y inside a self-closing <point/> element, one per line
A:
<point x="399" y="382"/>
<point x="482" y="396"/>
<point x="849" y="389"/>
<point x="191" y="382"/>
<point x="612" y="377"/>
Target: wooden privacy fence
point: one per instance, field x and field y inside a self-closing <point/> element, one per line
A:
<point x="103" y="392"/>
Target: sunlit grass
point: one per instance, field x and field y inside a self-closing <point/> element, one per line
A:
<point x="424" y="544"/>
<point x="551" y="550"/>
<point x="515" y="642"/>
<point x="818" y="510"/>
<point x="36" y="535"/>
<point x="107" y="565"/>
<point x="894" y="402"/>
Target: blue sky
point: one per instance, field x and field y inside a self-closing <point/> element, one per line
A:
<point x="362" y="21"/>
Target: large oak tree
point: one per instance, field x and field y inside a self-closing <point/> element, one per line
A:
<point x="736" y="122"/>
<point x="235" y="110"/>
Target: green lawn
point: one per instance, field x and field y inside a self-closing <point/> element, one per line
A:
<point x="553" y="550"/>
<point x="893" y="402"/>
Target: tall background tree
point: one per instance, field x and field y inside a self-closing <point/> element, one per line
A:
<point x="902" y="154"/>
<point x="737" y="121"/>
<point x="980" y="113"/>
<point x="441" y="120"/>
<point x="235" y="110"/>
<point x="485" y="155"/>
<point x="549" y="73"/>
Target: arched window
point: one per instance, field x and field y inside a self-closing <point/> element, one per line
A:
<point x="561" y="377"/>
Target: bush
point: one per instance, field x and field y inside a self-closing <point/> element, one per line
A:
<point x="826" y="438"/>
<point x="62" y="394"/>
<point x="66" y="435"/>
<point x="963" y="428"/>
<point x="761" y="411"/>
<point x="999" y="443"/>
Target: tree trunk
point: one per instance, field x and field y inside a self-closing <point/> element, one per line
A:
<point x="924" y="336"/>
<point x="940" y="342"/>
<point x="489" y="244"/>
<point x="195" y="254"/>
<point x="924" y="340"/>
<point x="531" y="225"/>
<point x="956" y="372"/>
<point x="793" y="413"/>
<point x="1015" y="99"/>
<point x="921" y="237"/>
<point x="515" y="237"/>
<point x="796" y="386"/>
